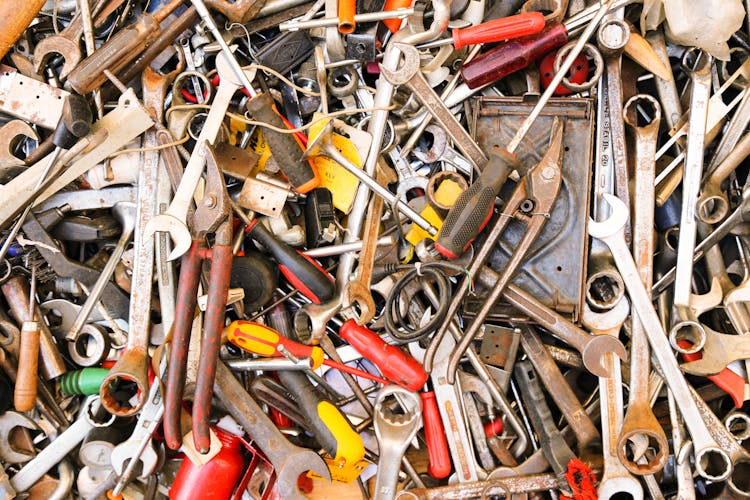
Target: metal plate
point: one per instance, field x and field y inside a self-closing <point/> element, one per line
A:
<point x="499" y="345"/>
<point x="30" y="100"/>
<point x="556" y="267"/>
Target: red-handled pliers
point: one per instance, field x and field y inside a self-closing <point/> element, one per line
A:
<point x="213" y="215"/>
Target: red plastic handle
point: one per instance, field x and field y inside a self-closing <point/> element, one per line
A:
<point x="395" y="365"/>
<point x="394" y="25"/>
<point x="434" y="435"/>
<point x="726" y="380"/>
<point x="496" y="30"/>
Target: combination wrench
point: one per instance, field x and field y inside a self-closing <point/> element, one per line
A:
<point x="711" y="461"/>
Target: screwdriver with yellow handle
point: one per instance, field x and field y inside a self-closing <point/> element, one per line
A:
<point x="265" y="341"/>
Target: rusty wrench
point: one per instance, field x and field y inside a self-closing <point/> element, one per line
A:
<point x="640" y="422"/>
<point x="705" y="447"/>
<point x="10" y="133"/>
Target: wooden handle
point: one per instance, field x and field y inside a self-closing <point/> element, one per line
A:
<point x="15" y="17"/>
<point x="24" y="395"/>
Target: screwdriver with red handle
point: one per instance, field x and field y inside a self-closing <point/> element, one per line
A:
<point x="497" y="30"/>
<point x="393" y="363"/>
<point x="262" y="340"/>
<point x="434" y="435"/>
<point x="515" y="55"/>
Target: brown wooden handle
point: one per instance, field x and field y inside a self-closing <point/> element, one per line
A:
<point x="15" y="17"/>
<point x="24" y="395"/>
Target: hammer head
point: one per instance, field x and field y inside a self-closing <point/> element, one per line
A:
<point x="612" y="225"/>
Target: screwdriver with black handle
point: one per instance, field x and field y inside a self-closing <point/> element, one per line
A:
<point x="473" y="209"/>
<point x="300" y="270"/>
<point x="329" y="426"/>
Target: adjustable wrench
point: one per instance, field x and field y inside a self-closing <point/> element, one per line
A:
<point x="394" y="432"/>
<point x="706" y="449"/>
<point x="615" y="478"/>
<point x="640" y="421"/>
<point x="173" y="221"/>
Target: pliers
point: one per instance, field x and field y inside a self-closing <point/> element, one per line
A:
<point x="213" y="215"/>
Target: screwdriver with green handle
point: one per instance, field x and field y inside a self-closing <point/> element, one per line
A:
<point x="473" y="208"/>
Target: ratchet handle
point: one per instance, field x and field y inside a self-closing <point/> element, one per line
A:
<point x="528" y="23"/>
<point x="393" y="363"/>
<point x="513" y="56"/>
<point x="434" y="435"/>
<point x="302" y="271"/>
<point x="286" y="151"/>
<point x="473" y="208"/>
<point x="24" y="394"/>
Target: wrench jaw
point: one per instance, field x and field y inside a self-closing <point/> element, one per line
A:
<point x="295" y="465"/>
<point x="615" y="486"/>
<point x="594" y="358"/>
<point x="712" y="205"/>
<point x="310" y="320"/>
<point x="713" y="463"/>
<point x="131" y="368"/>
<point x="69" y="50"/>
<point x="634" y="430"/>
<point x="358" y="300"/>
<point x="177" y="230"/>
<point x="615" y="224"/>
<point x="9" y="421"/>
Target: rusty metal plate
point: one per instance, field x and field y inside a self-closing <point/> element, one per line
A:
<point x="556" y="266"/>
<point x="499" y="346"/>
<point x="30" y="100"/>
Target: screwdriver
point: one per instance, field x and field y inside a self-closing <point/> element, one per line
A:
<point x="501" y="61"/>
<point x="120" y="50"/>
<point x="473" y="208"/>
<point x="287" y="152"/>
<point x="74" y="123"/>
<point x="434" y="435"/>
<point x="392" y="362"/>
<point x="324" y="419"/>
<point x="300" y="270"/>
<point x="528" y="23"/>
<point x="265" y="341"/>
<point x="24" y="394"/>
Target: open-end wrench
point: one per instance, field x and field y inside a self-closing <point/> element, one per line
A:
<point x="394" y="432"/>
<point x="473" y="384"/>
<point x="640" y="421"/>
<point x="10" y="421"/>
<point x="711" y="461"/>
<point x="174" y="220"/>
<point x="410" y="75"/>
<point x="681" y="445"/>
<point x="60" y="447"/>
<point x="10" y="134"/>
<point x="718" y="349"/>
<point x="616" y="479"/>
<point x="356" y="292"/>
<point x="288" y="460"/>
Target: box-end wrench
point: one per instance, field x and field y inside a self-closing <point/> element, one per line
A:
<point x="616" y="478"/>
<point x="711" y="461"/>
<point x="691" y="179"/>
<point x="174" y="220"/>
<point x="288" y="460"/>
<point x="395" y="433"/>
<point x="640" y="422"/>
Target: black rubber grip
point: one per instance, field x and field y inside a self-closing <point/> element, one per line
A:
<point x="75" y="122"/>
<point x="301" y="271"/>
<point x="284" y="148"/>
<point x="473" y="208"/>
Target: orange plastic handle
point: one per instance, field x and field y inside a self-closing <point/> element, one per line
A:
<point x="347" y="9"/>
<point x="394" y="25"/>
<point x="529" y="23"/>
